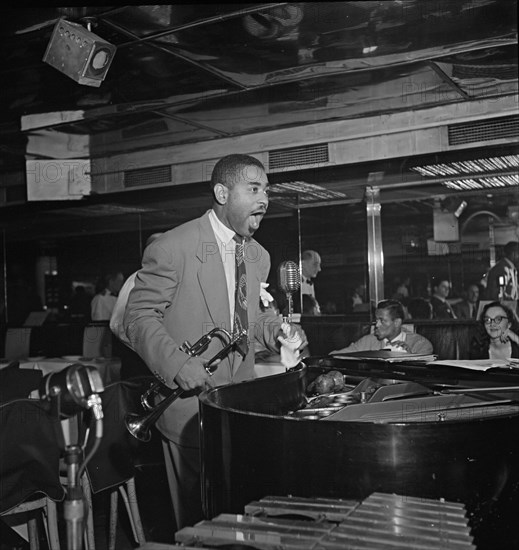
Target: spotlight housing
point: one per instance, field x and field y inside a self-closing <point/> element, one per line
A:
<point x="79" y="53"/>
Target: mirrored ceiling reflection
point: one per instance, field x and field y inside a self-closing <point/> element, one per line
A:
<point x="280" y="42"/>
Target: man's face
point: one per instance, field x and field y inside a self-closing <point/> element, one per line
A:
<point x="246" y="201"/>
<point x="473" y="294"/>
<point x="385" y="327"/>
<point x="443" y="289"/>
<point x="115" y="284"/>
<point x="312" y="266"/>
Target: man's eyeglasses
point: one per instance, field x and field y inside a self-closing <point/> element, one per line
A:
<point x="496" y="320"/>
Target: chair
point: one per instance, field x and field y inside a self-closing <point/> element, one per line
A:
<point x="128" y="494"/>
<point x="111" y="467"/>
<point x="97" y="341"/>
<point x="48" y="508"/>
<point x="31" y="443"/>
<point x="17" y="342"/>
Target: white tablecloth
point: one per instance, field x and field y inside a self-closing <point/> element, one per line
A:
<point x="109" y="369"/>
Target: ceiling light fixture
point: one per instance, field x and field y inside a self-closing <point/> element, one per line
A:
<point x="472" y="169"/>
<point x="79" y="53"/>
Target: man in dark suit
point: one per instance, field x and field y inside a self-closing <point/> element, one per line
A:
<point x="185" y="288"/>
<point x="468" y="308"/>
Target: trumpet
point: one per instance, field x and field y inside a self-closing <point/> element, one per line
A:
<point x="139" y="426"/>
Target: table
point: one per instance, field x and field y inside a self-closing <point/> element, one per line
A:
<point x="109" y="368"/>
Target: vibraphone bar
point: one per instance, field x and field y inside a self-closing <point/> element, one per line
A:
<point x="381" y="521"/>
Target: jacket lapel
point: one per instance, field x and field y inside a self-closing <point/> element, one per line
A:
<point x="211" y="275"/>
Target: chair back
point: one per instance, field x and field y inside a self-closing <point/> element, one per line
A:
<point x="17" y="343"/>
<point x="97" y="341"/>
<point x="32" y="442"/>
<point x="113" y="461"/>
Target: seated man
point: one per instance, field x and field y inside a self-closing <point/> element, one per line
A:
<point x="388" y="334"/>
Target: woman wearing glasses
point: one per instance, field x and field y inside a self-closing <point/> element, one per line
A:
<point x="497" y="340"/>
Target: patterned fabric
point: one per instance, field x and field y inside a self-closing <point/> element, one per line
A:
<point x="240" y="298"/>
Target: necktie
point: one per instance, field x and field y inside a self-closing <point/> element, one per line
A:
<point x="240" y="294"/>
<point x="474" y="311"/>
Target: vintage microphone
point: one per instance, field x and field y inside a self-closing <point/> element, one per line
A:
<point x="69" y="391"/>
<point x="289" y="282"/>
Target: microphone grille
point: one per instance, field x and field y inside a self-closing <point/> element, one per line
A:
<point x="289" y="278"/>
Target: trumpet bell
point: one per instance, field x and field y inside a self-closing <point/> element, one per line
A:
<point x="138" y="426"/>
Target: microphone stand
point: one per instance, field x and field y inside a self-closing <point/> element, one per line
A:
<point x="290" y="308"/>
<point x="74" y="506"/>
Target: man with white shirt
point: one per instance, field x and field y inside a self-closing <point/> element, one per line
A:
<point x="310" y="267"/>
<point x="388" y="334"/>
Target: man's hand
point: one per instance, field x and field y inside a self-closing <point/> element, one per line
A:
<point x="508" y="335"/>
<point x="293" y="334"/>
<point x="290" y="354"/>
<point x="399" y="345"/>
<point x="193" y="375"/>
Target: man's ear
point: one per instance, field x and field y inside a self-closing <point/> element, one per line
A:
<point x="398" y="323"/>
<point x="221" y="192"/>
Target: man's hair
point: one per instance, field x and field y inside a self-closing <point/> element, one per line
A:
<point x="394" y="307"/>
<point x="510" y="248"/>
<point x="308" y="254"/>
<point x="228" y="170"/>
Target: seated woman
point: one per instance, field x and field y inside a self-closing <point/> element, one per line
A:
<point x="496" y="340"/>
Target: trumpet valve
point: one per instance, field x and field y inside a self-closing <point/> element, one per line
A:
<point x="186" y="347"/>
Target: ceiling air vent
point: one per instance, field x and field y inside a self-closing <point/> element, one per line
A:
<point x="501" y="72"/>
<point x="485" y="130"/>
<point x="298" y="156"/>
<point x="147" y="176"/>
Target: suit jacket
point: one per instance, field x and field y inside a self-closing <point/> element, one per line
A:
<point x="180" y="294"/>
<point x="462" y="309"/>
<point x="441" y="309"/>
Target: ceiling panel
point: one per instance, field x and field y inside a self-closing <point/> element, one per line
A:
<point x="197" y="73"/>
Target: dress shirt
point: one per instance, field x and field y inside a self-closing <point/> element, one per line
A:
<point x="399" y="338"/>
<point x="307" y="286"/>
<point x="116" y="320"/>
<point x="227" y="247"/>
<point x="102" y="306"/>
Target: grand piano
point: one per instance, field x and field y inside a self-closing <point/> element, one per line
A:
<point x="411" y="428"/>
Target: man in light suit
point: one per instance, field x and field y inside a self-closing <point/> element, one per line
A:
<point x="468" y="308"/>
<point x="185" y="288"/>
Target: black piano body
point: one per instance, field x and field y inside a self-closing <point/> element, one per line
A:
<point x="461" y="446"/>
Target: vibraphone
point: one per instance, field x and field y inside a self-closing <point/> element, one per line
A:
<point x="381" y="521"/>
